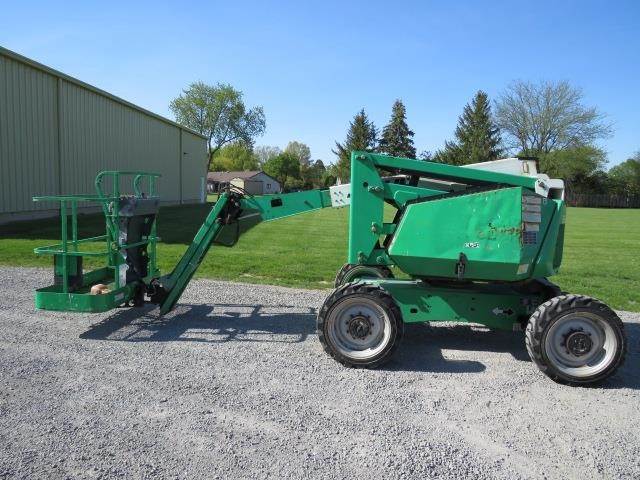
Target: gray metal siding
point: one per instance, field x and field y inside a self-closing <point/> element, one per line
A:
<point x="28" y="143"/>
<point x="194" y="159"/>
<point x="99" y="134"/>
<point x="56" y="133"/>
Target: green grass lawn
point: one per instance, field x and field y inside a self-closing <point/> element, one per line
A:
<point x="601" y="254"/>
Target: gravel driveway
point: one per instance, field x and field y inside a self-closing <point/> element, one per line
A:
<point x="234" y="384"/>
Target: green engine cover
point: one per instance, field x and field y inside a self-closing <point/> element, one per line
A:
<point x="488" y="235"/>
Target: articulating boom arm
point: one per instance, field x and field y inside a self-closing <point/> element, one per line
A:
<point x="234" y="213"/>
<point x="429" y="199"/>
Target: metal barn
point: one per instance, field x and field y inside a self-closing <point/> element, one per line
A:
<point x="57" y="132"/>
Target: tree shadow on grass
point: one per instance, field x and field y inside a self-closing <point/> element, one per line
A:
<point x="177" y="225"/>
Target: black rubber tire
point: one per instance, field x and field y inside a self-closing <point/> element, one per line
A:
<point x="554" y="309"/>
<point x="384" y="300"/>
<point x="348" y="273"/>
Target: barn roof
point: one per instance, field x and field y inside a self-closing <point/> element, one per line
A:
<point x="228" y="176"/>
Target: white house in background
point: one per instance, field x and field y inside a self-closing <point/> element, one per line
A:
<point x="255" y="182"/>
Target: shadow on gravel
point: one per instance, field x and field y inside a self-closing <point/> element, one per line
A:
<point x="628" y="376"/>
<point x="207" y="323"/>
<point x="421" y="348"/>
<point x="423" y="343"/>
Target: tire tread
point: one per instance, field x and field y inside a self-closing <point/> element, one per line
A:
<point x="560" y="305"/>
<point x="385" y="300"/>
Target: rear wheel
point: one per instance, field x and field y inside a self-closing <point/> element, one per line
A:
<point x="352" y="273"/>
<point x="575" y="339"/>
<point x="360" y="325"/>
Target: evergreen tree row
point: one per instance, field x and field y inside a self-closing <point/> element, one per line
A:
<point x="477" y="138"/>
<point x="396" y="139"/>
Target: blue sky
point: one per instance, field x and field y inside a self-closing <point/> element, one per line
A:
<point x="313" y="65"/>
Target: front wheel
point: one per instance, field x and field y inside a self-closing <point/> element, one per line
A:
<point x="575" y="339"/>
<point x="360" y="325"/>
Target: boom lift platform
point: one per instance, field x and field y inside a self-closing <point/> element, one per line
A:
<point x="476" y="244"/>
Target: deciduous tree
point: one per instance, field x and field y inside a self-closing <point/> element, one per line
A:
<point x="540" y="117"/>
<point x="234" y="157"/>
<point x="580" y="167"/>
<point x="626" y="176"/>
<point x="265" y="152"/>
<point x="300" y="151"/>
<point x="284" y="167"/>
<point x="312" y="174"/>
<point x="218" y="112"/>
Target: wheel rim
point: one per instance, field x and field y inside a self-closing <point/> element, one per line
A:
<point x="358" y="327"/>
<point x="581" y="344"/>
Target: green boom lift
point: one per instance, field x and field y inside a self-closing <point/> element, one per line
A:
<point x="474" y="244"/>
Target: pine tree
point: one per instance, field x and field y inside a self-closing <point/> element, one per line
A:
<point x="477" y="137"/>
<point x="397" y="139"/>
<point x="362" y="136"/>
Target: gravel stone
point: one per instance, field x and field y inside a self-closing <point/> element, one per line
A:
<point x="234" y="384"/>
